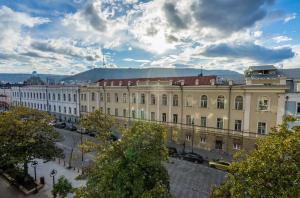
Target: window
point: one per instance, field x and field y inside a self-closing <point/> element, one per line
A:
<point x="152" y="100"/>
<point x="101" y="110"/>
<point x="124" y="113"/>
<point x="220" y="102"/>
<point x="152" y="116"/>
<point x="133" y="114"/>
<point x="175" y="100"/>
<point x="75" y="111"/>
<point x="84" y="97"/>
<point x="59" y="109"/>
<point x="70" y="110"/>
<point x="220" y="123"/>
<point x="54" y="107"/>
<point x="188" y="137"/>
<point x="108" y="97"/>
<point x="188" y="102"/>
<point x="164" y="117"/>
<point x="93" y="96"/>
<point x="81" y="97"/>
<point x="116" y="98"/>
<point x="69" y="97"/>
<point x="75" y="97"/>
<point x="58" y="97"/>
<point x="261" y="128"/>
<point x="238" y="125"/>
<point x="133" y="98"/>
<point x="124" y="98"/>
<point x="188" y="120"/>
<point x="263" y="103"/>
<point x="142" y="98"/>
<point x="64" y="97"/>
<point x="298" y="108"/>
<point x="53" y="96"/>
<point x="142" y="114"/>
<point x="236" y="146"/>
<point x="219" y="144"/>
<point x="203" y="121"/>
<point x="49" y="107"/>
<point x="65" y="109"/>
<point x="203" y="102"/>
<point x="93" y="109"/>
<point x="239" y="103"/>
<point x="108" y="111"/>
<point x="175" y="118"/>
<point x="203" y="140"/>
<point x="116" y="112"/>
<point x="164" y="99"/>
<point x="101" y="97"/>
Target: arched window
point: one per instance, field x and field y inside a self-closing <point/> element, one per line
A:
<point x="203" y="102"/>
<point x="175" y="100"/>
<point x="239" y="103"/>
<point x="153" y="99"/>
<point x="221" y="102"/>
<point x="263" y="103"/>
<point x="164" y="99"/>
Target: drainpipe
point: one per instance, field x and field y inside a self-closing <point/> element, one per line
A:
<point x="228" y="120"/>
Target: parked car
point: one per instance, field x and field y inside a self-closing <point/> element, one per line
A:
<point x="71" y="127"/>
<point x="219" y="164"/>
<point x="192" y="157"/>
<point x="60" y="125"/>
<point x="113" y="137"/>
<point x="172" y="151"/>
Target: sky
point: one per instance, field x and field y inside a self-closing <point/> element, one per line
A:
<point x="71" y="36"/>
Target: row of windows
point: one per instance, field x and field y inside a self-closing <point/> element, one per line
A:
<point x="218" y="143"/>
<point x="53" y="96"/>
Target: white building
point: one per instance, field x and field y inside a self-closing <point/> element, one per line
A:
<point x="62" y="101"/>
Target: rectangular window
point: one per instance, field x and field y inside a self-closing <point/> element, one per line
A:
<point x="220" y="123"/>
<point x="124" y="98"/>
<point x="64" y="97"/>
<point x="70" y="110"/>
<point x="58" y="97"/>
<point x="152" y="116"/>
<point x="298" y="108"/>
<point x="133" y="114"/>
<point x="75" y="97"/>
<point x="124" y="113"/>
<point x="175" y="118"/>
<point x="263" y="104"/>
<point x="133" y="98"/>
<point x="188" y="137"/>
<point x="75" y="111"/>
<point x="93" y="109"/>
<point x="116" y="98"/>
<point x="203" y="121"/>
<point x="116" y="112"/>
<point x="108" y="98"/>
<point x="143" y="98"/>
<point x="101" y="97"/>
<point x="101" y="109"/>
<point x="142" y="114"/>
<point x="108" y="111"/>
<point x="188" y="120"/>
<point x="164" y="117"/>
<point x="93" y="96"/>
<point x="65" y="109"/>
<point x="59" y="109"/>
<point x="69" y="97"/>
<point x="236" y="146"/>
<point x="203" y="140"/>
<point x="238" y="125"/>
<point x="261" y="128"/>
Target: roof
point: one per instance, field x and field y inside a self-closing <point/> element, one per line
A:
<point x="188" y="80"/>
<point x="291" y="73"/>
<point x="262" y="67"/>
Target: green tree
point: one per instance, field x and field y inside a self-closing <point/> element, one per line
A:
<point x="131" y="167"/>
<point x="62" y="188"/>
<point x="25" y="134"/>
<point x="271" y="170"/>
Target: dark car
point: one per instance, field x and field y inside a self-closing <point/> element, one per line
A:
<point x="172" y="151"/>
<point x="193" y="157"/>
<point x="113" y="137"/>
<point x="71" y="127"/>
<point x="60" y="125"/>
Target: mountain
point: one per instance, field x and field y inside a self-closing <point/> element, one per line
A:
<point x="123" y="73"/>
<point x="19" y="78"/>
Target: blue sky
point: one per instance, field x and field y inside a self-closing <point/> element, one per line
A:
<point x="71" y="36"/>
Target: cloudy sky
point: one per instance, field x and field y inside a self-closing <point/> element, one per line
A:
<point x="71" y="36"/>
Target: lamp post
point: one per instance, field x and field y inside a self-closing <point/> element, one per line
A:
<point x="193" y="124"/>
<point x="52" y="174"/>
<point x="34" y="165"/>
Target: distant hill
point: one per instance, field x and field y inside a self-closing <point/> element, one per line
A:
<point x="122" y="73"/>
<point x="17" y="78"/>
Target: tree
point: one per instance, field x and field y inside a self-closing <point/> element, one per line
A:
<point x="131" y="167"/>
<point x="62" y="188"/>
<point x="25" y="134"/>
<point x="271" y="170"/>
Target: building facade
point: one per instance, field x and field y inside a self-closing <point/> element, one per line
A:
<point x="5" y="98"/>
<point x="61" y="101"/>
<point x="198" y="111"/>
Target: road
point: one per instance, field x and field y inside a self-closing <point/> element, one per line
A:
<point x="187" y="179"/>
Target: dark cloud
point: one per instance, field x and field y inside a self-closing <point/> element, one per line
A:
<point x="91" y="15"/>
<point x="229" y="15"/>
<point x="170" y="38"/>
<point x="69" y="51"/>
<point x="173" y="17"/>
<point x="250" y="51"/>
<point x="36" y="55"/>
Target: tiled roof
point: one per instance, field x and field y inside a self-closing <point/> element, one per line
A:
<point x="188" y="80"/>
<point x="262" y="67"/>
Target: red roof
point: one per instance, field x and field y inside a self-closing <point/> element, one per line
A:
<point x="188" y="80"/>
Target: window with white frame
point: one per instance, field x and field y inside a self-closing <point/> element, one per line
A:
<point x="175" y="100"/>
<point x="238" y="125"/>
<point x="203" y="101"/>
<point x="261" y="128"/>
<point x="239" y="103"/>
<point x="203" y="121"/>
<point x="188" y="119"/>
<point x="124" y="98"/>
<point x="152" y="99"/>
<point x="188" y="137"/>
<point x="263" y="103"/>
<point x="236" y="146"/>
<point x="116" y="98"/>
<point x="142" y="114"/>
<point x="220" y="102"/>
<point x="108" y="97"/>
<point x="188" y="101"/>
<point x="164" y="100"/>
<point x="220" y="123"/>
<point x="143" y="101"/>
<point x="108" y="111"/>
<point x="164" y="117"/>
<point x="175" y="118"/>
<point x="203" y="140"/>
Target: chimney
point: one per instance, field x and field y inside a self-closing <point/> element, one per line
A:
<point x="120" y="83"/>
<point x="230" y="82"/>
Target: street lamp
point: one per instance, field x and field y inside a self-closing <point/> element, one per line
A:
<point x="34" y="165"/>
<point x="193" y="123"/>
<point x="52" y="174"/>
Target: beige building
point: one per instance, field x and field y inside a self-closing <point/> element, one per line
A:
<point x="202" y="112"/>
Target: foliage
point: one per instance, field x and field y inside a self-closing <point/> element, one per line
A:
<point x="62" y="187"/>
<point x="271" y="170"/>
<point x="25" y="134"/>
<point x="131" y="167"/>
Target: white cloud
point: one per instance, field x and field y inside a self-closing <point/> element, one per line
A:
<point x="290" y="17"/>
<point x="136" y="60"/>
<point x="280" y="39"/>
